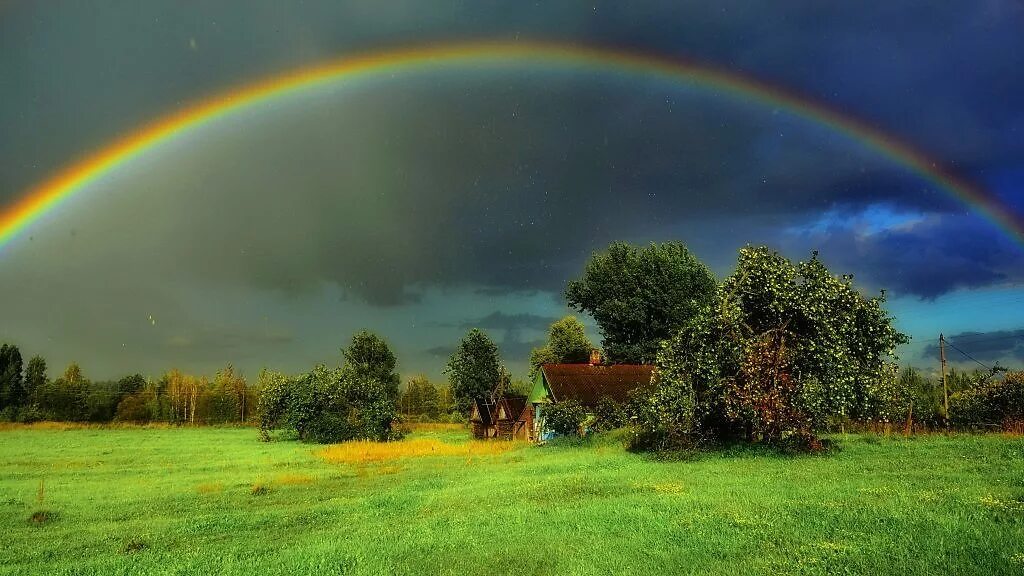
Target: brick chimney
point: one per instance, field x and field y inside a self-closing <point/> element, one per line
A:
<point x="595" y="357"/>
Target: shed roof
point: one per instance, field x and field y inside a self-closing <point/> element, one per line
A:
<point x="587" y="383"/>
<point x="482" y="412"/>
<point x="513" y="405"/>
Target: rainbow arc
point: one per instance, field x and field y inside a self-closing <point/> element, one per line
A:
<point x="49" y="194"/>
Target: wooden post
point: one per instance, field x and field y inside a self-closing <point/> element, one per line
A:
<point x="945" y="387"/>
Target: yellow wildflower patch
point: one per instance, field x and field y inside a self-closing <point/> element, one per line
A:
<point x="362" y="452"/>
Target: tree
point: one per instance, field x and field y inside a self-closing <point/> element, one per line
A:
<point x="420" y="397"/>
<point x="641" y="296"/>
<point x="430" y="400"/>
<point x="131" y="384"/>
<point x="35" y="376"/>
<point x="228" y="396"/>
<point x="12" y="386"/>
<point x="65" y="397"/>
<point x="474" y="369"/>
<point x="567" y="344"/>
<point x="369" y="356"/>
<point x="784" y="349"/>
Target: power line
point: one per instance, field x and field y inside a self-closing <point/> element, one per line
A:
<point x="968" y="355"/>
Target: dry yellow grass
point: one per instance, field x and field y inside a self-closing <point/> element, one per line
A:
<point x="433" y="427"/>
<point x="293" y="479"/>
<point x="210" y="488"/>
<point x="363" y="452"/>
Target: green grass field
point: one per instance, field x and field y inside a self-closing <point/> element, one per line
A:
<point x="181" y="501"/>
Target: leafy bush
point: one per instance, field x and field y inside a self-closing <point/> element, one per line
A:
<point x="565" y="418"/>
<point x="998" y="403"/>
<point x="608" y="414"/>
<point x="328" y="405"/>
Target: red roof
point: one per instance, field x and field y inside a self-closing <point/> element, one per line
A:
<point x="513" y="405"/>
<point x="587" y="383"/>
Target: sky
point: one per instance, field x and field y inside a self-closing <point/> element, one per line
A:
<point x="421" y="203"/>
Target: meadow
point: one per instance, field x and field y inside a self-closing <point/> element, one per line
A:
<point x="216" y="500"/>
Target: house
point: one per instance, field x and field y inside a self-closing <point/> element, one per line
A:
<point x="585" y="383"/>
<point x="509" y="417"/>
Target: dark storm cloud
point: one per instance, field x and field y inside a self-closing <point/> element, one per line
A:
<point x="926" y="258"/>
<point x="984" y="346"/>
<point x="499" y="320"/>
<point x="440" y="351"/>
<point x="491" y="185"/>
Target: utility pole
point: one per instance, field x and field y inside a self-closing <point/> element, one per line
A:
<point x="945" y="388"/>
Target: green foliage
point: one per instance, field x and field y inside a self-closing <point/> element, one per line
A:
<point x="369" y="356"/>
<point x="567" y="344"/>
<point x="565" y="418"/>
<point x="991" y="404"/>
<point x="35" y="376"/>
<point x="421" y="397"/>
<point x="783" y="349"/>
<point x="66" y="398"/>
<point x="641" y="296"/>
<point x="608" y="415"/>
<point x="134" y="408"/>
<point x="327" y="405"/>
<point x="474" y="369"/>
<point x="12" y="384"/>
<point x="131" y="384"/>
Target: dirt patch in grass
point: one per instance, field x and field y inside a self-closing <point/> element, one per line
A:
<point x="133" y="545"/>
<point x="364" y="452"/>
<point x="40" y="517"/>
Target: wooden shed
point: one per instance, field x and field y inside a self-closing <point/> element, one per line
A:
<point x="510" y="417"/>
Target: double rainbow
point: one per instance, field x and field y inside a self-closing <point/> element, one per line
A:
<point x="76" y="177"/>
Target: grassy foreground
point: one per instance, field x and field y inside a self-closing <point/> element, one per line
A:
<point x="191" y="501"/>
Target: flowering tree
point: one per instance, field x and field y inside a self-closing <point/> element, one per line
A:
<point x="783" y="348"/>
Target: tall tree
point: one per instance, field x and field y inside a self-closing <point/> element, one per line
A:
<point x="35" y="376"/>
<point x="429" y="398"/>
<point x="567" y="344"/>
<point x="369" y="356"/>
<point x="474" y="369"/>
<point x="12" y="387"/>
<point x="641" y="297"/>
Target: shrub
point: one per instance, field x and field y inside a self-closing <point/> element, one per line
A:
<point x="608" y="414"/>
<point x="328" y="405"/>
<point x="998" y="403"/>
<point x="565" y="418"/>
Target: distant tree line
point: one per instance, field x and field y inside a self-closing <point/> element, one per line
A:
<point x="361" y="399"/>
<point x="29" y="395"/>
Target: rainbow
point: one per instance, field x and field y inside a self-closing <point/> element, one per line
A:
<point x="47" y="195"/>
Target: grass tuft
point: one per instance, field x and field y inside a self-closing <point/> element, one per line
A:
<point x="133" y="545"/>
